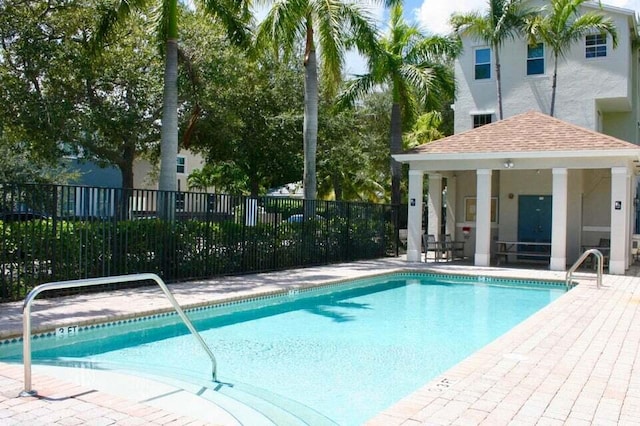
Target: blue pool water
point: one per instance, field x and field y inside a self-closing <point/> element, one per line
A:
<point x="346" y="351"/>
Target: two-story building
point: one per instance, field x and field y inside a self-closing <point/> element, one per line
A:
<point x="565" y="184"/>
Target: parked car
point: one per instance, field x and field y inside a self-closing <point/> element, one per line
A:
<point x="299" y="218"/>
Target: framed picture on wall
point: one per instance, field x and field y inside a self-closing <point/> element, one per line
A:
<point x="470" y="209"/>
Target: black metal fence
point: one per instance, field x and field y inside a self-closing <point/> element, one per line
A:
<point x="52" y="233"/>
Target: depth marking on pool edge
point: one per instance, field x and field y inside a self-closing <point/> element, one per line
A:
<point x="66" y="331"/>
<point x="443" y="384"/>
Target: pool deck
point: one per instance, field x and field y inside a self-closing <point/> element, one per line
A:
<point x="574" y="362"/>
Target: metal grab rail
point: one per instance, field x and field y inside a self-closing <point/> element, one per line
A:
<point x="600" y="268"/>
<point x="26" y="316"/>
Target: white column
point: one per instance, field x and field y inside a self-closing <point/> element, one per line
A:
<point x="451" y="206"/>
<point x="483" y="218"/>
<point x="435" y="204"/>
<point x="619" y="212"/>
<point x="414" y="216"/>
<point x="559" y="220"/>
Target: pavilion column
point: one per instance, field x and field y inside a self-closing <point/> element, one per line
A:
<point x="483" y="218"/>
<point x="619" y="211"/>
<point x="414" y="216"/>
<point x="435" y="205"/>
<point x="451" y="206"/>
<point x="559" y="220"/>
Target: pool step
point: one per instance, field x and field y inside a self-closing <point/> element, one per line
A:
<point x="220" y="403"/>
<point x="274" y="406"/>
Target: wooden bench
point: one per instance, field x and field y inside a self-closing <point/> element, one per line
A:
<point x="522" y="249"/>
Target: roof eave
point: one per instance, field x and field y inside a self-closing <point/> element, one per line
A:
<point x="458" y="156"/>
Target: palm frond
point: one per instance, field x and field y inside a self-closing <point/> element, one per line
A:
<point x="355" y="88"/>
<point x="284" y="24"/>
<point x="110" y="17"/>
<point x="235" y="17"/>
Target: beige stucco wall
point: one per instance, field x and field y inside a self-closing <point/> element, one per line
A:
<point x="589" y="204"/>
<point x="466" y="185"/>
<point x="596" y="206"/>
<point x="145" y="174"/>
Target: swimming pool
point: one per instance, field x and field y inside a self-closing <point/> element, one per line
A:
<point x="347" y="351"/>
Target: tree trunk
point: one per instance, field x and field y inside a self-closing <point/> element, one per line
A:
<point x="168" y="180"/>
<point x="396" y="148"/>
<point x="498" y="82"/>
<point x="310" y="126"/>
<point x="554" y="84"/>
<point x="337" y="186"/>
<point x="169" y="142"/>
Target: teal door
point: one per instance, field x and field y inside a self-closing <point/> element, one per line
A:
<point x="534" y="219"/>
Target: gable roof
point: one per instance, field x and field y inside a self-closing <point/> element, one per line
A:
<point x="529" y="132"/>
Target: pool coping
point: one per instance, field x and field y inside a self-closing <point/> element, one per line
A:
<point x="491" y="388"/>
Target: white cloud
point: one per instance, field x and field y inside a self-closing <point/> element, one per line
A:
<point x="433" y="15"/>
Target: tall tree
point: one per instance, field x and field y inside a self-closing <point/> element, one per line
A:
<point x="63" y="100"/>
<point x="328" y="24"/>
<point x="234" y="15"/>
<point x="349" y="162"/>
<point x="503" y="21"/>
<point x="564" y="25"/>
<point x="250" y="121"/>
<point x="415" y="68"/>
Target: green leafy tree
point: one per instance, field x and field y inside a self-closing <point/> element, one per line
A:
<point x="426" y="129"/>
<point x="63" y="99"/>
<point x="415" y="69"/>
<point x="562" y="26"/>
<point x="32" y="51"/>
<point x="249" y="121"/>
<point x="233" y="15"/>
<point x="348" y="155"/>
<point x="330" y="26"/>
<point x="503" y="21"/>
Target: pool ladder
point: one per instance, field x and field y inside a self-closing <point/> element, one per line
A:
<point x="26" y="316"/>
<point x="599" y="266"/>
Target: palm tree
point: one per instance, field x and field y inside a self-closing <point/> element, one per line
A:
<point x="416" y="69"/>
<point x="504" y="19"/>
<point x="426" y="129"/>
<point x="330" y="24"/>
<point x="232" y="14"/>
<point x="562" y="27"/>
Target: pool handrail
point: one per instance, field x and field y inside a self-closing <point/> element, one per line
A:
<point x="599" y="266"/>
<point x="57" y="285"/>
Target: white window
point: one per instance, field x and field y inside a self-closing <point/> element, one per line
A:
<point x="181" y="164"/>
<point x="535" y="59"/>
<point x="481" y="120"/>
<point x="596" y="46"/>
<point x="482" y="63"/>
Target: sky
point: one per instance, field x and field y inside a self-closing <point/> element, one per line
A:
<point x="433" y="17"/>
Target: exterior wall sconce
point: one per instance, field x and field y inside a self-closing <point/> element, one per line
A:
<point x="508" y="164"/>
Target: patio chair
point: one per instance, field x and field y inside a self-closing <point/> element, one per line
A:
<point x="455" y="249"/>
<point x="431" y="245"/>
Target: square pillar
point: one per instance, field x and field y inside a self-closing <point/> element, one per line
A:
<point x="559" y="220"/>
<point x="451" y="206"/>
<point x="620" y="234"/>
<point x="414" y="216"/>
<point x="435" y="204"/>
<point x="483" y="218"/>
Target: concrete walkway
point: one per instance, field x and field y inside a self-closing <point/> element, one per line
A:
<point x="574" y="362"/>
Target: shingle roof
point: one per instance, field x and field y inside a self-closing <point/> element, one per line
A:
<point x="528" y="132"/>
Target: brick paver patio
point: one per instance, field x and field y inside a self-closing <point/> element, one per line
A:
<point x="574" y="362"/>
